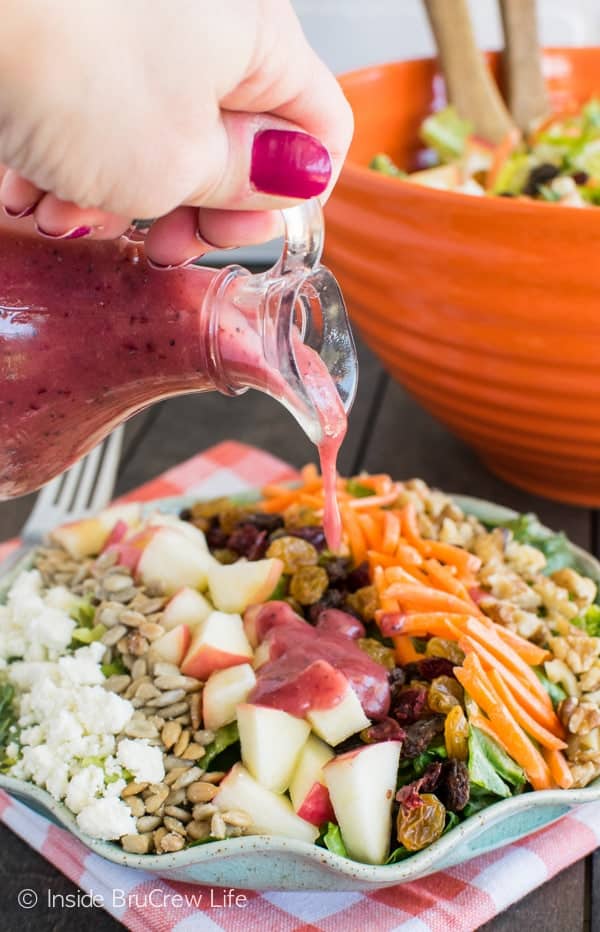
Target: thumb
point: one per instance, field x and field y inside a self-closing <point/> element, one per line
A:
<point x="261" y="162"/>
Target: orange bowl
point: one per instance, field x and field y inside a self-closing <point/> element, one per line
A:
<point x="486" y="309"/>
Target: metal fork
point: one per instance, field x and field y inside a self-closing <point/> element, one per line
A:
<point x="77" y="493"/>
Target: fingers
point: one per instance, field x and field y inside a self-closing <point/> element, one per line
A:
<point x="19" y="196"/>
<point x="187" y="233"/>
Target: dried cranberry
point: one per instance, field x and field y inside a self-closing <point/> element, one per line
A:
<point x="408" y="796"/>
<point x="435" y="666"/>
<point x="263" y="521"/>
<point x="215" y="537"/>
<point x="419" y="736"/>
<point x="358" y="578"/>
<point x="455" y="787"/>
<point x="386" y="730"/>
<point x="314" y="534"/>
<point x="409" y="705"/>
<point x="185" y="514"/>
<point x="337" y="569"/>
<point x="248" y="541"/>
<point x="580" y="177"/>
<point x="332" y="598"/>
<point x="350" y="744"/>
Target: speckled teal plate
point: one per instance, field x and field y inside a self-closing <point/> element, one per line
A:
<point x="266" y="863"/>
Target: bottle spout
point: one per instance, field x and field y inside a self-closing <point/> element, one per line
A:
<point x="307" y="336"/>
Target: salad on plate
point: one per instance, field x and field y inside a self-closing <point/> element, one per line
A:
<point x="181" y="680"/>
<point x="558" y="162"/>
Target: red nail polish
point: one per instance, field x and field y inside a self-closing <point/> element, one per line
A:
<point x="289" y="164"/>
<point x="75" y="233"/>
<point x="19" y="214"/>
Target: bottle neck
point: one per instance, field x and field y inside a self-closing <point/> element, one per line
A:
<point x="276" y="336"/>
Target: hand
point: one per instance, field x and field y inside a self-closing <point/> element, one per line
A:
<point x="206" y="115"/>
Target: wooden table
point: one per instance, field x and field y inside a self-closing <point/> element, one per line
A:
<point x="388" y="432"/>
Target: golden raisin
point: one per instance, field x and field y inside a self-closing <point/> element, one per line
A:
<point x="456" y="734"/>
<point x="294" y="552"/>
<point x="418" y="827"/>
<point x="211" y="508"/>
<point x="300" y="516"/>
<point x="438" y="647"/>
<point x="364" y="602"/>
<point x="378" y="652"/>
<point x="444" y="693"/>
<point x="308" y="584"/>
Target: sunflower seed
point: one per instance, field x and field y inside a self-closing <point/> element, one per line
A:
<point x="188" y="683"/>
<point x="181" y="745"/>
<point x="117" y="683"/>
<point x="204" y="736"/>
<point x="137" y="844"/>
<point x="201" y="792"/>
<point x="170" y="842"/>
<point x="136" y="805"/>
<point x="203" y="811"/>
<point x="161" y="668"/>
<point x="132" y="619"/>
<point x="170" y="734"/>
<point x="237" y="817"/>
<point x="116" y="582"/>
<point x="139" y="668"/>
<point x="198" y="831"/>
<point x="176" y="812"/>
<point x="132" y="789"/>
<point x="174" y="825"/>
<point x="167" y="698"/>
<point x="148" y="823"/>
<point x="190" y="776"/>
<point x="218" y="828"/>
<point x="175" y="710"/>
<point x="113" y="635"/>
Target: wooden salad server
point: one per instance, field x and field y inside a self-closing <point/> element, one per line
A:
<point x="522" y="63"/>
<point x="469" y="83"/>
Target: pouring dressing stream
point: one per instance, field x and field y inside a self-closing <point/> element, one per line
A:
<point x="90" y="335"/>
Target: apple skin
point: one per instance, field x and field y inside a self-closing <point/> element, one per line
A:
<point x="87" y="537"/>
<point x="317" y="807"/>
<point x="218" y="642"/>
<point x="172" y="646"/>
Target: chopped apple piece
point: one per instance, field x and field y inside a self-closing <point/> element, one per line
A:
<point x="193" y="533"/>
<point x="129" y="512"/>
<point x="271" y="814"/>
<point x="87" y="537"/>
<point x="340" y="721"/>
<point x="235" y="586"/>
<point x="223" y="692"/>
<point x="83" y="538"/>
<point x="309" y="795"/>
<point x="172" y="646"/>
<point x="171" y="560"/>
<point x="271" y="741"/>
<point x="187" y="607"/>
<point x="443" y="177"/>
<point x="219" y="642"/>
<point x="361" y="785"/>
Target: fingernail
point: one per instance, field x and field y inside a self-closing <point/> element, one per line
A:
<point x="206" y="242"/>
<point x="168" y="268"/>
<point x="289" y="164"/>
<point x="19" y="214"/>
<point x="75" y="233"/>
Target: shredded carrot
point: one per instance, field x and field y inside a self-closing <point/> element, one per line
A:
<point x="405" y="650"/>
<point x="418" y="599"/>
<point x="526" y="721"/>
<point x="507" y="731"/>
<point x="559" y="768"/>
<point x="391" y="532"/>
<point x="425" y="624"/>
<point x="508" y="657"/>
<point x="410" y="528"/>
<point x="408" y="555"/>
<point x="530" y="653"/>
<point x="501" y="153"/>
<point x="355" y="534"/>
<point x="466" y="563"/>
<point x="384" y="560"/>
<point x="444" y="578"/>
<point x="371" y="501"/>
<point x="309" y="473"/>
<point x="370" y="531"/>
<point x="539" y="711"/>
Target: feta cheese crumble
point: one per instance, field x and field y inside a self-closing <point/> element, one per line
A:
<point x="68" y="722"/>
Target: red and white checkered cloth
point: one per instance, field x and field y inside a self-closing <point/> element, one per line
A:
<point x="460" y="899"/>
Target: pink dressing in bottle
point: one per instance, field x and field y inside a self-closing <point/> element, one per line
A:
<point x="88" y="337"/>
